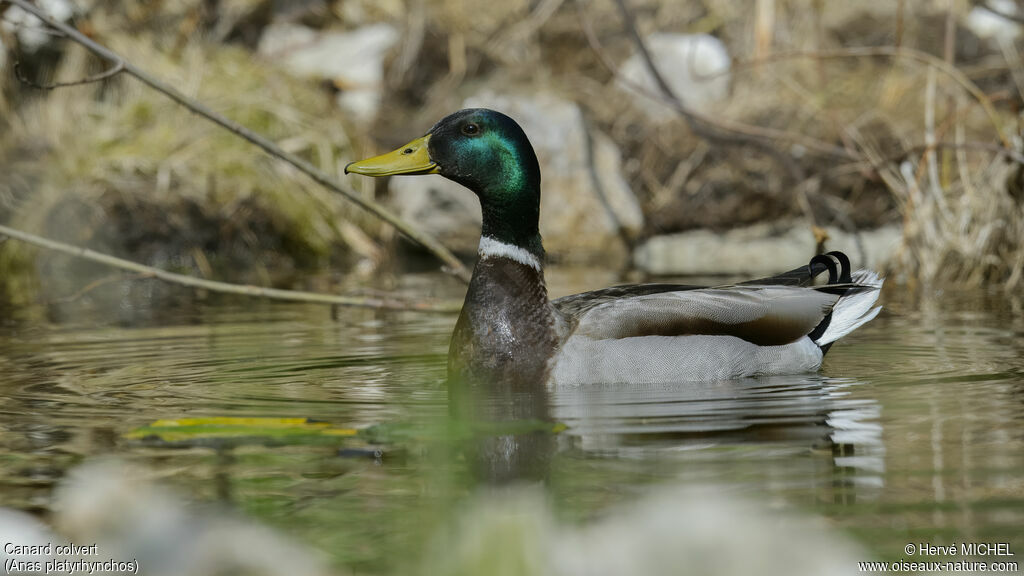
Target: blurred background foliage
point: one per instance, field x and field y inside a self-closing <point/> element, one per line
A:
<point x="849" y="117"/>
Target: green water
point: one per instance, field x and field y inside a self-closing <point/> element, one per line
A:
<point x="913" y="431"/>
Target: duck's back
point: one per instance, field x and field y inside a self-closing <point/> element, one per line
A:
<point x="671" y="333"/>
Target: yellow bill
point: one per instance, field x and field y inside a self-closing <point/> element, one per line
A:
<point x="413" y="158"/>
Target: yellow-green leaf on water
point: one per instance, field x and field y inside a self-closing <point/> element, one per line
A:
<point x="231" y="430"/>
<point x="221" y="431"/>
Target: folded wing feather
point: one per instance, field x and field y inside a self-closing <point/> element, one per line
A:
<point x="763" y="315"/>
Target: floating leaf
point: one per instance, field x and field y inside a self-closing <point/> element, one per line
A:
<point x="229" y="431"/>
<point x="221" y="431"/>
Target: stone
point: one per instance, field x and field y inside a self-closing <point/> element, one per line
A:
<point x="30" y="536"/>
<point x="989" y="25"/>
<point x="352" y="60"/>
<point x="668" y="531"/>
<point x="760" y="250"/>
<point x="32" y="34"/>
<point x="129" y="516"/>
<point x="577" y="221"/>
<point x="695" y="66"/>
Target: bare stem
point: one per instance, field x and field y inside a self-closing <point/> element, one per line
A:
<point x="386" y="303"/>
<point x="894" y="52"/>
<point x="716" y="130"/>
<point x="116" y="69"/>
<point x="452" y="264"/>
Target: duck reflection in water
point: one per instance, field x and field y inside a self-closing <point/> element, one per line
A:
<point x="518" y="427"/>
<point x="511" y="432"/>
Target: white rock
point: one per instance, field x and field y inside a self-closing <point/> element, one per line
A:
<point x="21" y="529"/>
<point x="759" y="250"/>
<point x="988" y="24"/>
<point x="30" y="30"/>
<point x="575" y="218"/>
<point x="354" y="60"/>
<point x="282" y="37"/>
<point x="121" y="509"/>
<point x="695" y="66"/>
<point x="673" y="531"/>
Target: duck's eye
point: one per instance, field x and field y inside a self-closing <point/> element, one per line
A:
<point x="471" y="129"/>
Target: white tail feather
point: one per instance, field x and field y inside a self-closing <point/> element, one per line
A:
<point x="853" y="311"/>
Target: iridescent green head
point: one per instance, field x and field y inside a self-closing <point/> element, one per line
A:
<point x="487" y="152"/>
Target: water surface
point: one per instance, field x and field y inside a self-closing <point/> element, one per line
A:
<point x="913" y="431"/>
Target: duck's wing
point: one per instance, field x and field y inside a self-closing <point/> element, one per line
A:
<point x="577" y="304"/>
<point x="767" y="315"/>
<point x="802" y="276"/>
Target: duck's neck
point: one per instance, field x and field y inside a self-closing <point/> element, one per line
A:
<point x="508" y="328"/>
<point x="510" y="203"/>
<point x="491" y="247"/>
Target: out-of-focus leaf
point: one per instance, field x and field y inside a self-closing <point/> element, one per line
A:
<point x="224" y="431"/>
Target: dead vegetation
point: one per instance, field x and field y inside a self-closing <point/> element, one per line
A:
<point x="848" y="114"/>
<point x="118" y="167"/>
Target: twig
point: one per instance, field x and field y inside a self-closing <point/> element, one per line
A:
<point x="935" y="183"/>
<point x="982" y="146"/>
<point x="412" y="41"/>
<point x="20" y="26"/>
<point x="524" y="28"/>
<point x="949" y="43"/>
<point x="1015" y="16"/>
<point x="453" y="264"/>
<point x="900" y="9"/>
<point x="113" y="71"/>
<point x="223" y="287"/>
<point x="696" y="123"/>
<point x="664" y="192"/>
<point x="1013" y="63"/>
<point x="764" y="27"/>
<point x="590" y="160"/>
<point x="890" y="52"/>
<point x="96" y="284"/>
<point x="700" y="125"/>
<point x="961" y="159"/>
<point x="746" y="132"/>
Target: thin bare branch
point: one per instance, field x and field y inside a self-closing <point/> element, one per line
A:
<point x="17" y="27"/>
<point x="452" y="264"/>
<point x="968" y="145"/>
<point x="385" y="303"/>
<point x="113" y="71"/>
<point x="743" y="132"/>
<point x="930" y="158"/>
<point x="115" y="277"/>
<point x="708" y="130"/>
<point x="1014" y="16"/>
<point x="890" y="52"/>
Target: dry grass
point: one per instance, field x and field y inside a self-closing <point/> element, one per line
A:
<point x="904" y="122"/>
<point x="962" y="217"/>
<point x="120" y="167"/>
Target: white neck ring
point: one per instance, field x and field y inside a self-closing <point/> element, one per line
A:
<point x="491" y="248"/>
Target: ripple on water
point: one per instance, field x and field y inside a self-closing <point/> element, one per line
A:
<point x="913" y="426"/>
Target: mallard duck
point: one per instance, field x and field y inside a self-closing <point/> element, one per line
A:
<point x="509" y="330"/>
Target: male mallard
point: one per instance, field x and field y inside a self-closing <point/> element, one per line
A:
<point x="509" y="331"/>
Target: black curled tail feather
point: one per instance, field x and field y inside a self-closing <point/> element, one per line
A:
<point x="838" y="266"/>
<point x="845" y="270"/>
<point x="858" y="293"/>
